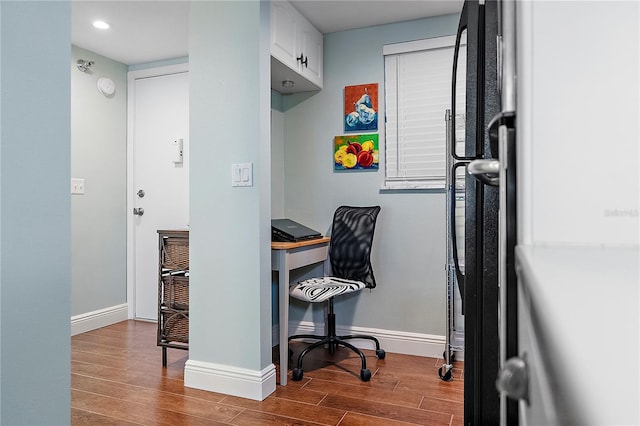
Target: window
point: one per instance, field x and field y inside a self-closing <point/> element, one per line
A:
<point x="417" y="93"/>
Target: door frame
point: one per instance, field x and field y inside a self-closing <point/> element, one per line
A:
<point x="132" y="76"/>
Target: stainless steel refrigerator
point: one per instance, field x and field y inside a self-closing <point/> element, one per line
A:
<point x="490" y="330"/>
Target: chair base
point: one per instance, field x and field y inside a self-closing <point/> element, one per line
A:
<point x="333" y="341"/>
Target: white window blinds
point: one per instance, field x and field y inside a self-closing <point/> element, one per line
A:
<point x="417" y="93"/>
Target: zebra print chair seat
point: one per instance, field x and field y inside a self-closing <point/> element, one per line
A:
<point x="317" y="290"/>
<point x="349" y="256"/>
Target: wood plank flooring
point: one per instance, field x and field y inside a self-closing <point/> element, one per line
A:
<point x="117" y="379"/>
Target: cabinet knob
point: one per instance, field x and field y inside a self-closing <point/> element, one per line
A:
<point x="513" y="379"/>
<point x="303" y="60"/>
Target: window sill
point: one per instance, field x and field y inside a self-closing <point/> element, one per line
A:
<point x="410" y="186"/>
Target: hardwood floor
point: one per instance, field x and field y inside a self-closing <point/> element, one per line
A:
<point x="117" y="379"/>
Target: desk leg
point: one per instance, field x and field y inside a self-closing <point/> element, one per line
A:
<point x="283" y="308"/>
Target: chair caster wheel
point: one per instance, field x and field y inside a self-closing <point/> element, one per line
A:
<point x="365" y="375"/>
<point x="380" y="353"/>
<point x="445" y="374"/>
<point x="297" y="374"/>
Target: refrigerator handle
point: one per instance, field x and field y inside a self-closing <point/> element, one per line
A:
<point x="452" y="230"/>
<point x="485" y="170"/>
<point x="451" y="204"/>
<point x="462" y="25"/>
<point x="502" y="237"/>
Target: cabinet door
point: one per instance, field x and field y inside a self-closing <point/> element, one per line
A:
<point x="311" y="48"/>
<point x="284" y="26"/>
<point x="538" y="410"/>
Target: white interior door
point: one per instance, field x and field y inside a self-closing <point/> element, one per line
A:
<point x="160" y="183"/>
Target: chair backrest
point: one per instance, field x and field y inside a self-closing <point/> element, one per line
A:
<point x="351" y="240"/>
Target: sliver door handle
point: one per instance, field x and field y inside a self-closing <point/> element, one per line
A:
<point x="486" y="171"/>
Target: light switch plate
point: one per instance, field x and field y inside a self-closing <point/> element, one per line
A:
<point x="77" y="186"/>
<point x="242" y="174"/>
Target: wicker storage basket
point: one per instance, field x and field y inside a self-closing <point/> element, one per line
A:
<point x="175" y="326"/>
<point x="175" y="292"/>
<point x="175" y="253"/>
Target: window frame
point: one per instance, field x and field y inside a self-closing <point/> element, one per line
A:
<point x="428" y="181"/>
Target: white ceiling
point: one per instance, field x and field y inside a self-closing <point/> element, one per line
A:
<point x="153" y="30"/>
<point x="141" y="31"/>
<point x="329" y="16"/>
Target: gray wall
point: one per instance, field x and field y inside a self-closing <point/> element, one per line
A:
<point x="98" y="155"/>
<point x="409" y="246"/>
<point x="35" y="261"/>
<point x="230" y="254"/>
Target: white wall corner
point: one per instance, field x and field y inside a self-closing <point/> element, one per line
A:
<point x="399" y="342"/>
<point x="98" y="319"/>
<point x="245" y="383"/>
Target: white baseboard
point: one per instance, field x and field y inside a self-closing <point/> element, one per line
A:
<point x="98" y="319"/>
<point x="252" y="384"/>
<point x="399" y="342"/>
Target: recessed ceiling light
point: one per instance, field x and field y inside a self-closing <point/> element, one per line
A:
<point x="101" y="25"/>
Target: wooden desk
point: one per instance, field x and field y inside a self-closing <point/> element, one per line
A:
<point x="284" y="258"/>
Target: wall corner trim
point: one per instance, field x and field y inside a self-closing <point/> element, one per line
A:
<point x="229" y="380"/>
<point x="98" y="319"/>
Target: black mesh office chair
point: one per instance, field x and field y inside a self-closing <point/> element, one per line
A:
<point x="349" y="255"/>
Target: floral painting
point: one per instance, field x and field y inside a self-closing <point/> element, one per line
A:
<point x="355" y="152"/>
<point x="361" y="107"/>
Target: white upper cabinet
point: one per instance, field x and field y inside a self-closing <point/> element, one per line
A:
<point x="296" y="50"/>
<point x="311" y="49"/>
<point x="284" y="29"/>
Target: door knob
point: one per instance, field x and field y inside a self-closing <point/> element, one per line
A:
<point x="138" y="211"/>
<point x="513" y="379"/>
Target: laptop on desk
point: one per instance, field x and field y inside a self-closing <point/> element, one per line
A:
<point x="289" y="231"/>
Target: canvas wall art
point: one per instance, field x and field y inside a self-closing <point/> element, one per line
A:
<point x="361" y="108"/>
<point x="355" y="152"/>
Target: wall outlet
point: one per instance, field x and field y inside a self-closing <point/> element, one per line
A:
<point x="77" y="186"/>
